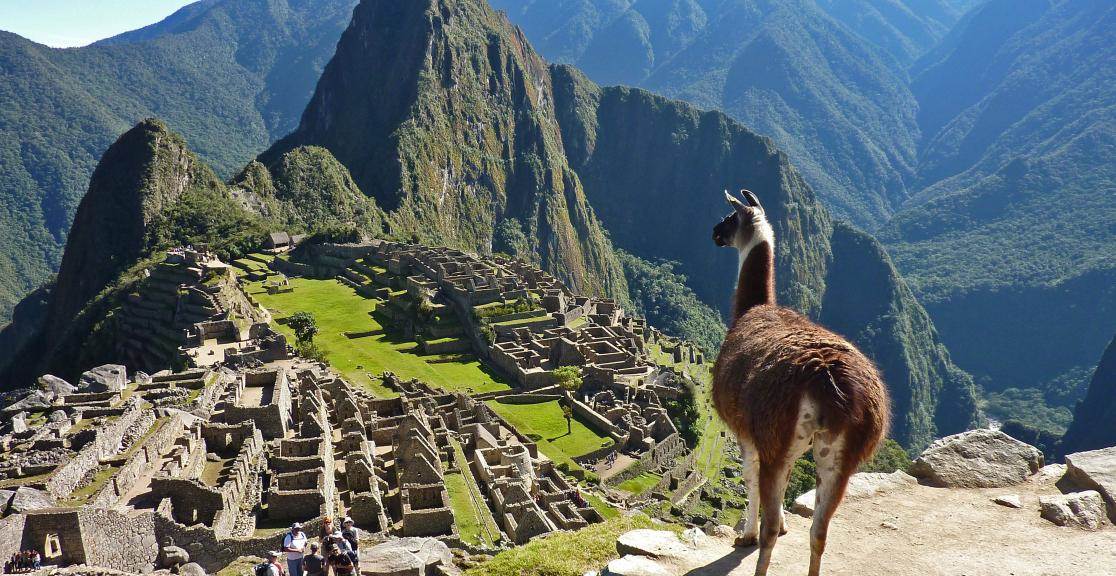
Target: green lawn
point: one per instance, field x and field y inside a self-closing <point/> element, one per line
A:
<point x="607" y="511"/>
<point x="544" y="423"/>
<point x="474" y="520"/>
<point x="566" y="552"/>
<point x="356" y="345"/>
<point x="641" y="483"/>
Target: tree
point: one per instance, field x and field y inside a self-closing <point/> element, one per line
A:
<point x="567" y="411"/>
<point x="568" y="378"/>
<point x="305" y="326"/>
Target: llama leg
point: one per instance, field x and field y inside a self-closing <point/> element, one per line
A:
<point x="773" y="486"/>
<point x="751" y="481"/>
<point x="833" y="477"/>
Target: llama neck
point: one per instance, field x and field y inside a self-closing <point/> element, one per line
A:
<point x="755" y="285"/>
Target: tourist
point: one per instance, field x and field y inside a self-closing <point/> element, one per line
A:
<point x="326" y="530"/>
<point x="351" y="534"/>
<point x="271" y="567"/>
<point x="340" y="562"/>
<point x="36" y="560"/>
<point x="313" y="563"/>
<point x="293" y="544"/>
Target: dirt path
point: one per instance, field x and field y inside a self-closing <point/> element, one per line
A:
<point x="931" y="531"/>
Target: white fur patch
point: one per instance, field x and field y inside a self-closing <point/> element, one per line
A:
<point x="761" y="232"/>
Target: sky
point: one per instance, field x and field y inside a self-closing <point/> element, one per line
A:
<point x="66" y="23"/>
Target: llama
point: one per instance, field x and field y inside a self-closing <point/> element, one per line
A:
<point x="783" y="384"/>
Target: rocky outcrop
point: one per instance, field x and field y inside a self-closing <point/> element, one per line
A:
<point x="107" y="378"/>
<point x="27" y="499"/>
<point x="1095" y="470"/>
<point x="407" y="556"/>
<point x="1080" y="509"/>
<point x="861" y="485"/>
<point x="1093" y="419"/>
<point x="977" y="459"/>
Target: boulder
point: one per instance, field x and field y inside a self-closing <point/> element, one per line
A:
<point x="5" y="497"/>
<point x="55" y="386"/>
<point x="977" y="459"/>
<point x="105" y="378"/>
<point x="862" y="485"/>
<point x="1095" y="470"/>
<point x="19" y="422"/>
<point x="27" y="499"/>
<point x="1009" y="500"/>
<point x="407" y="557"/>
<point x="634" y="566"/>
<point x="58" y="416"/>
<point x="34" y="401"/>
<point x="1081" y="509"/>
<point x="653" y="543"/>
<point x="191" y="569"/>
<point x="171" y="555"/>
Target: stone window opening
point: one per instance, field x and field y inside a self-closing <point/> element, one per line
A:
<point x="52" y="546"/>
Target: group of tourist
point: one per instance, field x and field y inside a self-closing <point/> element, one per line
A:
<point x="336" y="551"/>
<point x="23" y="561"/>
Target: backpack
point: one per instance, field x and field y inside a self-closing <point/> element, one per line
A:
<point x="263" y="569"/>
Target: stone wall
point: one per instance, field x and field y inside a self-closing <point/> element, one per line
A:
<point x="213" y="553"/>
<point x="11" y="534"/>
<point x="119" y="541"/>
<point x="106" y="443"/>
<point x="142" y="459"/>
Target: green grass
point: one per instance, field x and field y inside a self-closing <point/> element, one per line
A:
<point x="521" y="321"/>
<point x="606" y="510"/>
<point x="566" y="553"/>
<point x="80" y="496"/>
<point x="544" y="423"/>
<point x="356" y="345"/>
<point x="474" y="520"/>
<point x="641" y="483"/>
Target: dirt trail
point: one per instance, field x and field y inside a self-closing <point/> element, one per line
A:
<point x="930" y="531"/>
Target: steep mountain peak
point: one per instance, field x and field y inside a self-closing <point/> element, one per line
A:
<point x="143" y="173"/>
<point x="444" y="114"/>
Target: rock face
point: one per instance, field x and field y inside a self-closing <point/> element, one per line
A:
<point x="407" y="557"/>
<point x="652" y="543"/>
<point x="1081" y="509"/>
<point x="634" y="566"/>
<point x="1095" y="470"/>
<point x="1092" y="425"/>
<point x="106" y="378"/>
<point x="862" y="485"/>
<point x="27" y="499"/>
<point x="977" y="459"/>
<point x="55" y="385"/>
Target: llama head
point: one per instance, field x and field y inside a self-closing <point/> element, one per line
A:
<point x="745" y="227"/>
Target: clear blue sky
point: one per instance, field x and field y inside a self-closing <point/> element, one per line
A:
<point x="64" y="23"/>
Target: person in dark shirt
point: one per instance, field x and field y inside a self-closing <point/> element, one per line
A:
<point x="314" y="563"/>
<point x="341" y="563"/>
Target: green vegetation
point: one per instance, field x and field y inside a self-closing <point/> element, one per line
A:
<point x="516" y="306"/>
<point x="544" y="423"/>
<point x="358" y="347"/>
<point x="565" y="553"/>
<point x="606" y="510"/>
<point x="661" y="295"/>
<point x="1030" y="406"/>
<point x="889" y="457"/>
<point x="304" y="326"/>
<point x="472" y="516"/>
<point x="640" y="484"/>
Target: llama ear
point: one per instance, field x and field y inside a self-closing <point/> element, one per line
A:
<point x="752" y="199"/>
<point x="736" y="204"/>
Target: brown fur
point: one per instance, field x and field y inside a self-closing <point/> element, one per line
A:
<point x="772" y="360"/>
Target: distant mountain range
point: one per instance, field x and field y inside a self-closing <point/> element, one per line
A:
<point x="436" y="120"/>
<point x="977" y="139"/>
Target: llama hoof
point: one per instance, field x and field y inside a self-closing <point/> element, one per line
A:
<point x="745" y="541"/>
<point x="783" y="531"/>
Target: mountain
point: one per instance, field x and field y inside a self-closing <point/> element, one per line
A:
<point x="148" y="193"/>
<point x="455" y="135"/>
<point x="231" y="75"/>
<point x="837" y="103"/>
<point x="436" y="119"/>
<point x="1012" y="245"/>
<point x="904" y="29"/>
<point x="1093" y="422"/>
<point x="638" y="153"/>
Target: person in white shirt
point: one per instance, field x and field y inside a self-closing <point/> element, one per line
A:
<point x="294" y="543"/>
